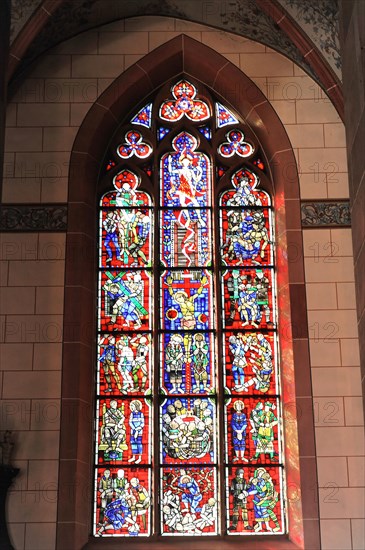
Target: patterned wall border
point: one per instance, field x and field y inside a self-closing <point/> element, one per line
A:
<point x="325" y="213"/>
<point x="53" y="217"/>
<point x="35" y="217"/>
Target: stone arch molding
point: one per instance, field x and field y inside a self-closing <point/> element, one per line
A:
<point x="182" y="55"/>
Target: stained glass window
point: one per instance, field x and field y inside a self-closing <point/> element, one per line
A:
<point x="188" y="408"/>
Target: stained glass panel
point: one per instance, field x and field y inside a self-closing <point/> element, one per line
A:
<point x="245" y="237"/>
<point x="224" y="117"/>
<point x="123" y="431"/>
<point x="124" y="300"/>
<point x="254" y="500"/>
<point x="189" y="430"/>
<point x="235" y="145"/>
<point x="189" y="503"/>
<point x="185" y="175"/>
<point x="124" y="363"/>
<point x="125" y="237"/>
<point x="123" y="502"/>
<point x="186" y="300"/>
<point x="185" y="237"/>
<point x="187" y="363"/>
<point x="143" y="117"/>
<point x="250" y="363"/>
<point x="184" y="104"/>
<point x="248" y="298"/>
<point x="252" y="430"/>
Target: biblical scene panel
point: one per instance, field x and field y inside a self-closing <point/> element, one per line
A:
<point x="124" y="363"/>
<point x="125" y="237"/>
<point x="186" y="300"/>
<point x="252" y="430"/>
<point x="248" y="299"/>
<point x="188" y="427"/>
<point x="124" y="300"/>
<point x="245" y="237"/>
<point x="187" y="363"/>
<point x="123" y="431"/>
<point x="185" y="238"/>
<point x="122" y="502"/>
<point x="250" y="363"/>
<point x="254" y="500"/>
<point x="189" y="501"/>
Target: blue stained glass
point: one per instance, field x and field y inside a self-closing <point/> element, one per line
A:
<point x="185" y="174"/>
<point x="162" y="132"/>
<point x="143" y="117"/>
<point x="186" y="300"/>
<point x="224" y="116"/>
<point x="205" y="130"/>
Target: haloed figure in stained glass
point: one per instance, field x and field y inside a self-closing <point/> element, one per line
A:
<point x="136" y="423"/>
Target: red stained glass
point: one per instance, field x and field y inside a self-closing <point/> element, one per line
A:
<point x="123" y="502"/>
<point x="184" y="104"/>
<point x="186" y="300"/>
<point x="124" y="300"/>
<point x="187" y="363"/>
<point x="252" y="430"/>
<point x="185" y="237"/>
<point x="125" y="237"/>
<point x="245" y="193"/>
<point x="134" y="145"/>
<point x="189" y="502"/>
<point x="123" y="431"/>
<point x="254" y="500"/>
<point x="124" y="364"/>
<point x="250" y="363"/>
<point x="185" y="175"/>
<point x="245" y="237"/>
<point x="189" y="430"/>
<point x="235" y="145"/>
<point x="248" y="299"/>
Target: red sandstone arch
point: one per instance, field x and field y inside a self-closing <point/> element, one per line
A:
<point x="182" y="55"/>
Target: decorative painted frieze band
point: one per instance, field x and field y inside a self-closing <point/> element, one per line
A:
<point x="325" y="213"/>
<point x="40" y="217"/>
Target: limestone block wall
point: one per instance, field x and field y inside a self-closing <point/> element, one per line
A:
<point x="42" y="121"/>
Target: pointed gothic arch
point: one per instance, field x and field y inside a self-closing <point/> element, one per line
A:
<point x="180" y="56"/>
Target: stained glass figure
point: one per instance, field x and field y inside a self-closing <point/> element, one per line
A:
<point x="124" y="363"/>
<point x="189" y="503"/>
<point x="162" y="132"/>
<point x="143" y="117"/>
<point x="185" y="175"/>
<point x="185" y="237"/>
<point x="186" y="300"/>
<point x="123" y="431"/>
<point x="245" y="193"/>
<point x="134" y="145"/>
<point x="184" y="104"/>
<point x="249" y="359"/>
<point x="252" y="432"/>
<point x="125" y="237"/>
<point x="248" y="299"/>
<point x="245" y="237"/>
<point x="224" y="117"/>
<point x="123" y="502"/>
<point x="235" y="145"/>
<point x="124" y="300"/>
<point x="254" y="500"/>
<point x="183" y="372"/>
